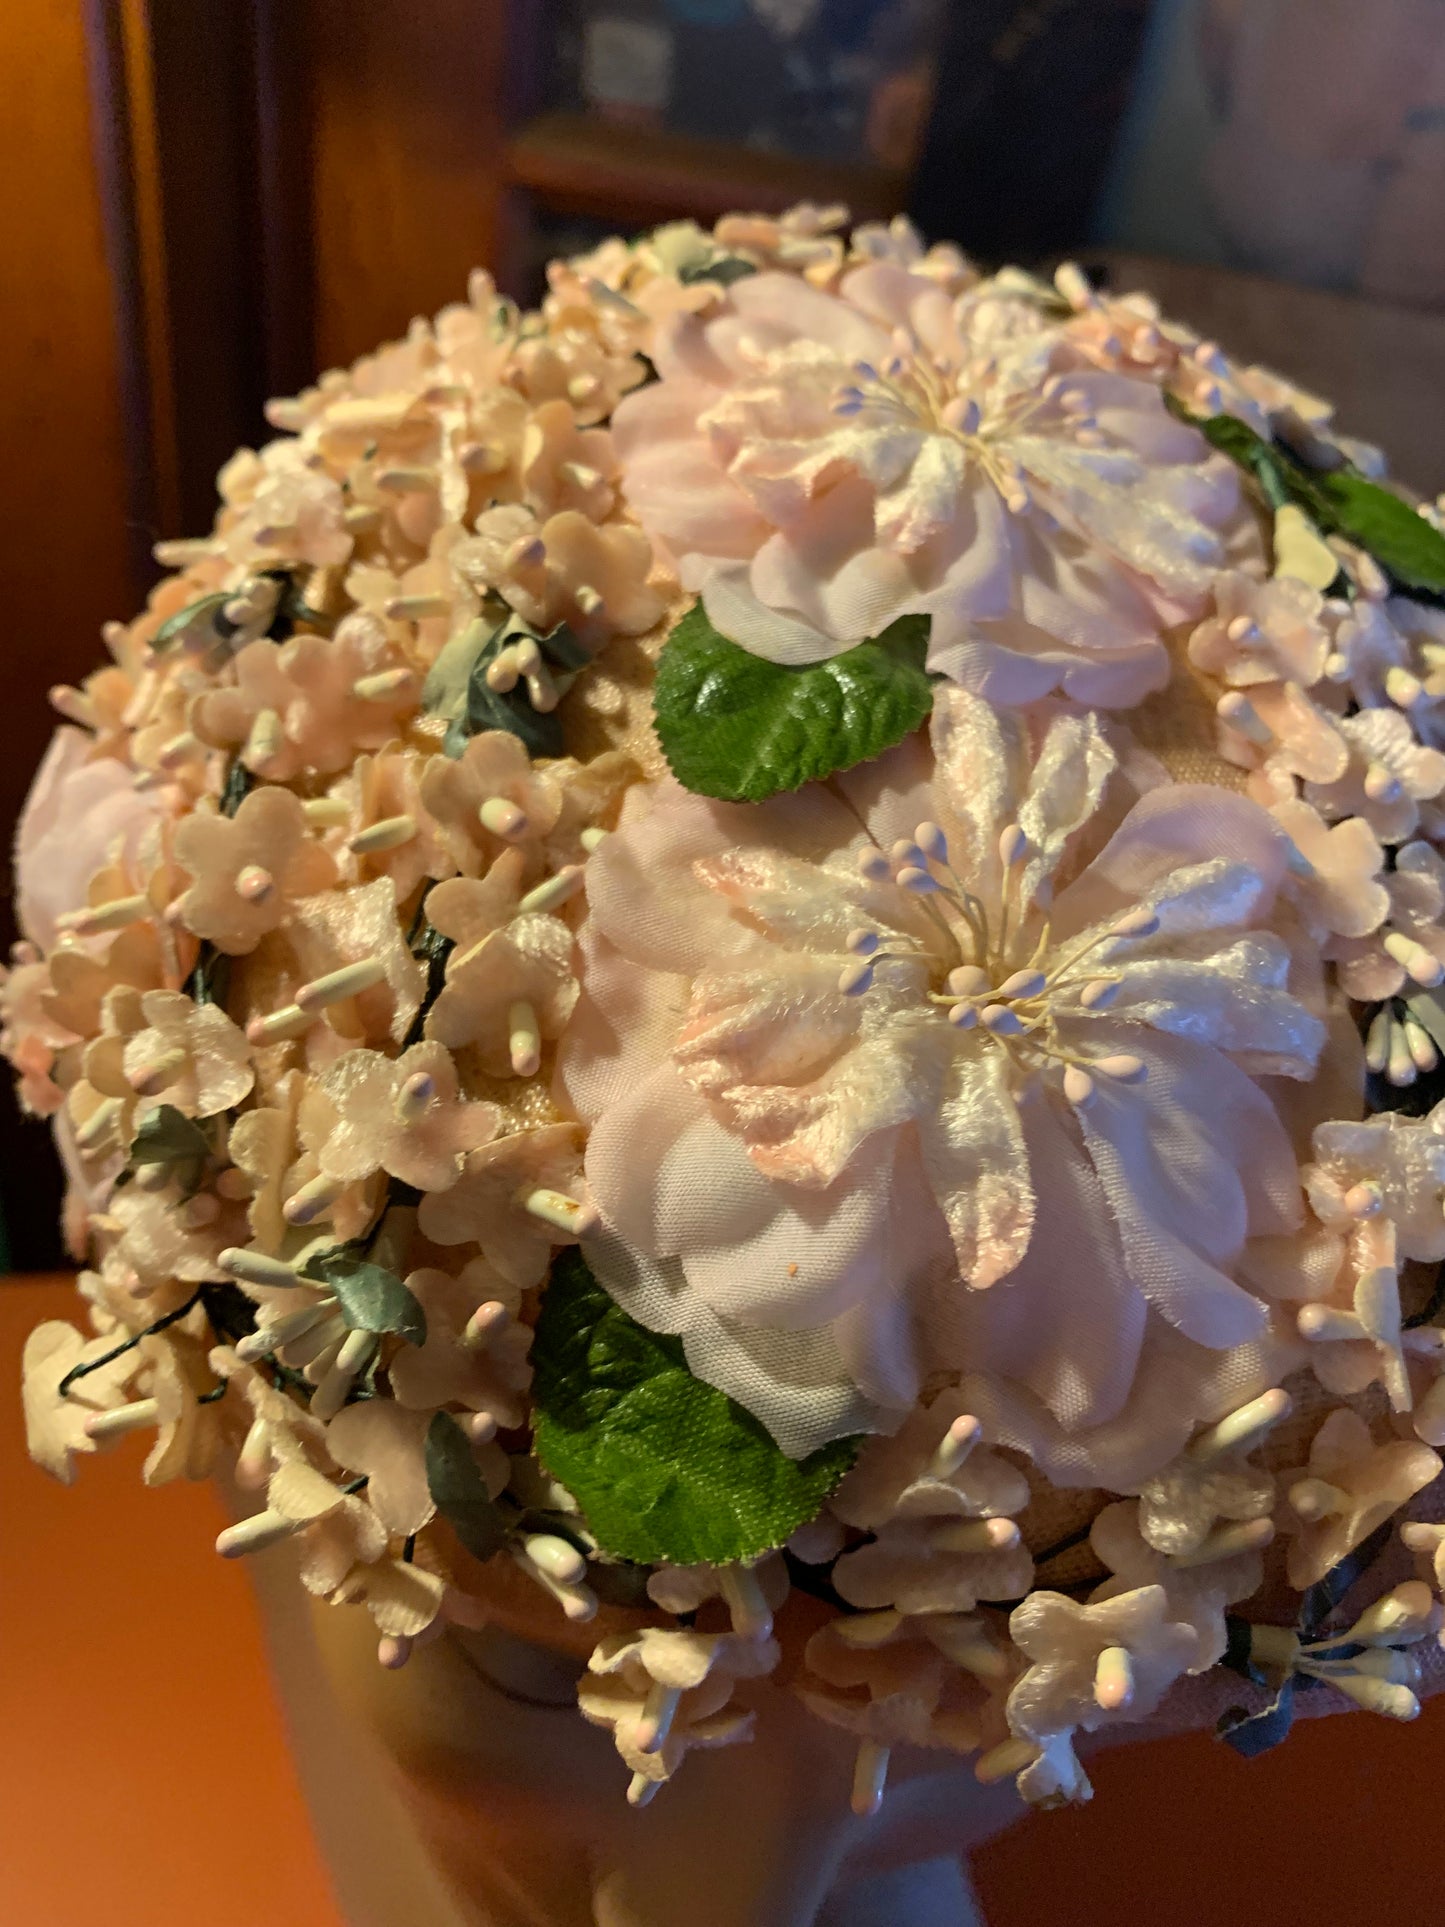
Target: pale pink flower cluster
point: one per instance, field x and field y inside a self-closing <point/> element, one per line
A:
<point x="997" y="1100"/>
<point x="1330" y="704"/>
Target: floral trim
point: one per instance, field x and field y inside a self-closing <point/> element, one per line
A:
<point x="950" y="1116"/>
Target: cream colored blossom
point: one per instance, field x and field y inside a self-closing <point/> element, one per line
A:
<point x="284" y="509"/>
<point x="483" y="1366"/>
<point x="935" y="1680"/>
<point x="281" y="1430"/>
<point x="1196" y="1591"/>
<point x="664" y="1691"/>
<point x="751" y="1593"/>
<point x="1350" y="1486"/>
<point x="933" y="1466"/>
<point x="493" y="772"/>
<point x="1213" y="1480"/>
<point x="510" y="985"/>
<point x="338" y="928"/>
<point x="488" y="1205"/>
<point x="1335" y="872"/>
<point x="1268" y="643"/>
<point x="54" y="1426"/>
<point x="802" y="240"/>
<point x="1375" y="1190"/>
<point x="936" y="1503"/>
<point x="188" y="1055"/>
<point x="387" y="1443"/>
<point x="175" y="1375"/>
<point x="1094" y="1665"/>
<point x="578" y="362"/>
<point x="80" y="981"/>
<point x="294" y="706"/>
<point x="1407" y="949"/>
<point x="1389" y="775"/>
<point x="386" y="789"/>
<point x="165" y="1246"/>
<point x="402" y="1115"/>
<point x="936" y="1566"/>
<point x="275" y="1147"/>
<point x="565" y="568"/>
<point x="247" y="869"/>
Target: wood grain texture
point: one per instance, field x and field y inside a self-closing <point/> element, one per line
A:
<point x="406" y="113"/>
<point x="144" y="1777"/>
<point x="67" y="560"/>
<point x="580" y="165"/>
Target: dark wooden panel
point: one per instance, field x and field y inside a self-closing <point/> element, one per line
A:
<point x="407" y="129"/>
<point x="66" y="560"/>
<point x="636" y="176"/>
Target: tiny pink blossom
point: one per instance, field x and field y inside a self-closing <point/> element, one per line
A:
<point x="1350" y="1486"/>
<point x="247" y="869"/>
<point x="488" y="1204"/>
<point x="402" y="1115"/>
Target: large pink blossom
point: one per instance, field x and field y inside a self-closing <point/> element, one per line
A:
<point x="82" y="809"/>
<point x="818" y="464"/>
<point x="830" y="1106"/>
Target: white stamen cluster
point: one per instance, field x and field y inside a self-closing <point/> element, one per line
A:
<point x="965" y="405"/>
<point x="1396" y="1044"/>
<point x="1381" y="1675"/>
<point x="1001" y="978"/>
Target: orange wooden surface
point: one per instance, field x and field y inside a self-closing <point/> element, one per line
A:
<point x="144" y="1778"/>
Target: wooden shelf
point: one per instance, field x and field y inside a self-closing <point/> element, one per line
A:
<point x="578" y="165"/>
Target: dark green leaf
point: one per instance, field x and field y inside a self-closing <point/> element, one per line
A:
<point x="559" y="646"/>
<point x="1341" y="501"/>
<point x="457" y="687"/>
<point x="168" y="1136"/>
<point x="195" y="623"/>
<point x="1251" y="1734"/>
<point x="724" y="269"/>
<point x="1270" y="468"/>
<point x="1409" y="549"/>
<point x="455" y="1482"/>
<point x="371" y="1298"/>
<point x="664" y="1467"/>
<point x="619" y="1584"/>
<point x="734" y="726"/>
<point x="238" y="786"/>
<point x="444" y="693"/>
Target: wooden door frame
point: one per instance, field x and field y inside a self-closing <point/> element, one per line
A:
<point x="200" y="149"/>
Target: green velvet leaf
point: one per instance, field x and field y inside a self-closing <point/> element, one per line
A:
<point x="735" y="726"/>
<point x="664" y="1467"/>
<point x="444" y="693"/>
<point x="1249" y="451"/>
<point x="371" y="1298"/>
<point x="1409" y="549"/>
<point x="455" y="1482"/>
<point x="1340" y="501"/>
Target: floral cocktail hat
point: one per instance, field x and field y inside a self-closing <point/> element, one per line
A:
<point x="768" y="944"/>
